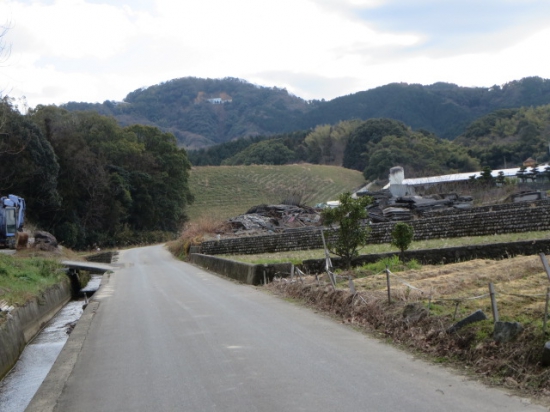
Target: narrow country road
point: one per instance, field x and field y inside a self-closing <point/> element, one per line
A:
<point x="163" y="335"/>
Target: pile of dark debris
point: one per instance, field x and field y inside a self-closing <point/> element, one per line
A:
<point x="388" y="207"/>
<point x="268" y="219"/>
<point x="274" y="219"/>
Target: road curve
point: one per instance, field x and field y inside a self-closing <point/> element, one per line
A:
<point x="163" y="335"/>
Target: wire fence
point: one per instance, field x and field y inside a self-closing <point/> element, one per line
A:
<point x="297" y="275"/>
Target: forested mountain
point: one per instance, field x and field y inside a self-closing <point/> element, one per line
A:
<point x="442" y="108"/>
<point x="90" y="181"/>
<point x="204" y="112"/>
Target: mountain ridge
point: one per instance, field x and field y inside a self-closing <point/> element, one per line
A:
<point x="204" y="112"/>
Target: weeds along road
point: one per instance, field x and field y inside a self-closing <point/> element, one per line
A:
<point x="163" y="335"/>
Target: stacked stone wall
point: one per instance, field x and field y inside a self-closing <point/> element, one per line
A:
<point x="504" y="207"/>
<point x="444" y="255"/>
<point x="489" y="220"/>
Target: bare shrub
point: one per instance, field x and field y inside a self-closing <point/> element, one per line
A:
<point x="195" y="232"/>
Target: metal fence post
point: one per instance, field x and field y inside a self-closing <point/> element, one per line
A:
<point x="388" y="283"/>
<point x="351" y="285"/>
<point x="546" y="310"/>
<point x="493" y="302"/>
<point x="545" y="264"/>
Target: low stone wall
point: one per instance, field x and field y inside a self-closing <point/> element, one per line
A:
<point x="503" y="207"/>
<point x="445" y="255"/>
<point x="253" y="245"/>
<point x="242" y="272"/>
<point x="26" y="321"/>
<point x="489" y="220"/>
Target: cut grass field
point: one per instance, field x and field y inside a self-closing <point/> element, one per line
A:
<point x="222" y="192"/>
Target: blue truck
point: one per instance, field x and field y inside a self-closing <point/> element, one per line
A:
<point x="12" y="219"/>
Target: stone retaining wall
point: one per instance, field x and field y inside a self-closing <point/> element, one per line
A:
<point x="445" y="255"/>
<point x="489" y="220"/>
<point x="505" y="207"/>
<point x="26" y="321"/>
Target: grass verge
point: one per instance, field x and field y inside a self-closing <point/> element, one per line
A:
<point x="23" y="279"/>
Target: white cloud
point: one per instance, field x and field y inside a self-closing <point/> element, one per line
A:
<point x="95" y="50"/>
<point x="69" y="29"/>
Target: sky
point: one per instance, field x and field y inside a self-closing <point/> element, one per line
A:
<point x="56" y="51"/>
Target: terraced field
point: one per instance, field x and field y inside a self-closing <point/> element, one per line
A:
<point x="226" y="191"/>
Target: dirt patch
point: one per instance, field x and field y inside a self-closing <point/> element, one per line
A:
<point x="521" y="284"/>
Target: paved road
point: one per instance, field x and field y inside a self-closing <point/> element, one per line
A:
<point x="166" y="336"/>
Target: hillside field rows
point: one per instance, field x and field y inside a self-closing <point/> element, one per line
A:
<point x="222" y="192"/>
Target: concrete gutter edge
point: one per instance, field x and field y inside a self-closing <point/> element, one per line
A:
<point x="51" y="389"/>
<point x="247" y="273"/>
<point x="26" y="321"/>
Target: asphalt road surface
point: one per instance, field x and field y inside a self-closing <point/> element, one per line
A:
<point x="163" y="335"/>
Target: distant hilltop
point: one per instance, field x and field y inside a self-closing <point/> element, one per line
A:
<point x="195" y="110"/>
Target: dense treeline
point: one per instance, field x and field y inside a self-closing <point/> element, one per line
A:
<point x="372" y="146"/>
<point x="90" y="181"/>
<point x="442" y="108"/>
<point x="379" y="144"/>
<point x="505" y="138"/>
<point x="184" y="107"/>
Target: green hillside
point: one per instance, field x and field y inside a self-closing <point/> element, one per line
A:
<point x="205" y="112"/>
<point x="227" y="191"/>
<point x="441" y="108"/>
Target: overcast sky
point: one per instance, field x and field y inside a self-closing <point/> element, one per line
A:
<point x="96" y="50"/>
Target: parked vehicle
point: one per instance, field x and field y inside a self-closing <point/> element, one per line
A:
<point x="12" y="219"/>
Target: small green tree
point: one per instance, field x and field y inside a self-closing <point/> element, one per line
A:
<point x="352" y="234"/>
<point x="402" y="236"/>
<point x="487" y="176"/>
<point x="500" y="179"/>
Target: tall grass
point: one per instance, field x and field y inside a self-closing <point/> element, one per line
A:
<point x="194" y="232"/>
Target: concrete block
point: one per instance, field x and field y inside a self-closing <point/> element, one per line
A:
<point x="506" y="331"/>
<point x="477" y="316"/>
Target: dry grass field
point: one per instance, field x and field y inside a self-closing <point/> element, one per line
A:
<point x="520" y="283"/>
